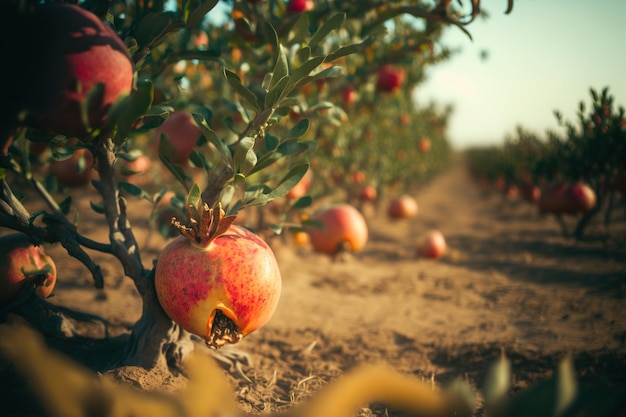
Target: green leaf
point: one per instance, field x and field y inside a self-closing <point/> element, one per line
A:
<point x="235" y="82"/>
<point x="215" y="140"/>
<point x="286" y="149"/>
<point x="131" y="189"/>
<point x="292" y="178"/>
<point x="304" y="54"/>
<point x="567" y="386"/>
<point x="199" y="160"/>
<point x="281" y="67"/>
<point x="331" y="24"/>
<point x="300" y="31"/>
<point x="125" y="111"/>
<point x="65" y="205"/>
<point x="277" y="92"/>
<point x="195" y="17"/>
<point x="152" y="25"/>
<point x="94" y="95"/>
<point x="194" y="198"/>
<point x="271" y="36"/>
<point x="299" y="129"/>
<point x="302" y="202"/>
<point x="245" y="158"/>
<point x="498" y="380"/>
<point x="306" y="68"/>
<point x="344" y="51"/>
<point x="165" y="152"/>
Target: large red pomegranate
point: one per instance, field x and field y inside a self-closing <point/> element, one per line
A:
<point x="217" y="280"/>
<point x="62" y="51"/>
<point x="343" y="229"/>
<point x="22" y="263"/>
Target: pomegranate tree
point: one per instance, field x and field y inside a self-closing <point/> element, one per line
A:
<point x="217" y="280"/>
<point x="23" y="263"/>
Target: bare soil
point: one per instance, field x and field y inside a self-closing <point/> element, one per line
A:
<point x="509" y="282"/>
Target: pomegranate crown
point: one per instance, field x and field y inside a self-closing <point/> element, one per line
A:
<point x="204" y="224"/>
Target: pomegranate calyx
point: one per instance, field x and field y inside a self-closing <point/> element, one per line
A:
<point x="222" y="330"/>
<point x="205" y="224"/>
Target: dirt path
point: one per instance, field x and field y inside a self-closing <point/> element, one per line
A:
<point x="509" y="283"/>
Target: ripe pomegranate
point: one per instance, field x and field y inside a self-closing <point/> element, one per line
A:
<point x="183" y="132"/>
<point x="75" y="171"/>
<point x="402" y="207"/>
<point x="368" y="193"/>
<point x="302" y="187"/>
<point x="23" y="263"/>
<point x="562" y="197"/>
<point x="390" y="78"/>
<point x="433" y="245"/>
<point x="299" y="6"/>
<point x="349" y="96"/>
<point x="424" y="145"/>
<point x="217" y="280"/>
<point x="75" y="52"/>
<point x="344" y="229"/>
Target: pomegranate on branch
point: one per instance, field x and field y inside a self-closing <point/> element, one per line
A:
<point x="22" y="263"/>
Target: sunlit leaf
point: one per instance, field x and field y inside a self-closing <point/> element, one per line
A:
<point x="245" y="158"/>
<point x="235" y="82"/>
<point x="215" y="140"/>
<point x="298" y="130"/>
<point x="334" y="22"/>
<point x="196" y="16"/>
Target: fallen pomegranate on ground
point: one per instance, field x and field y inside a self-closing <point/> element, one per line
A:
<point x="76" y="51"/>
<point x="402" y="207"/>
<point x="343" y="229"/>
<point x="432" y="246"/>
<point x="217" y="280"/>
<point x="22" y="263"/>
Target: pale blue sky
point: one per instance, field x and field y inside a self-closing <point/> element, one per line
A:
<point x="543" y="56"/>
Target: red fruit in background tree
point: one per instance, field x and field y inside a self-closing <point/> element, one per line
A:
<point x="402" y="207"/>
<point x="433" y="245"/>
<point x="358" y="177"/>
<point x="562" y="197"/>
<point x="344" y="230"/>
<point x="302" y="187"/>
<point x="183" y="132"/>
<point x="218" y="280"/>
<point x="390" y="78"/>
<point x="349" y="96"/>
<point x="22" y="263"/>
<point x="368" y="193"/>
<point x="424" y="145"/>
<point x="299" y="6"/>
<point x="75" y="52"/>
<point x="75" y="171"/>
<point x="530" y="193"/>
